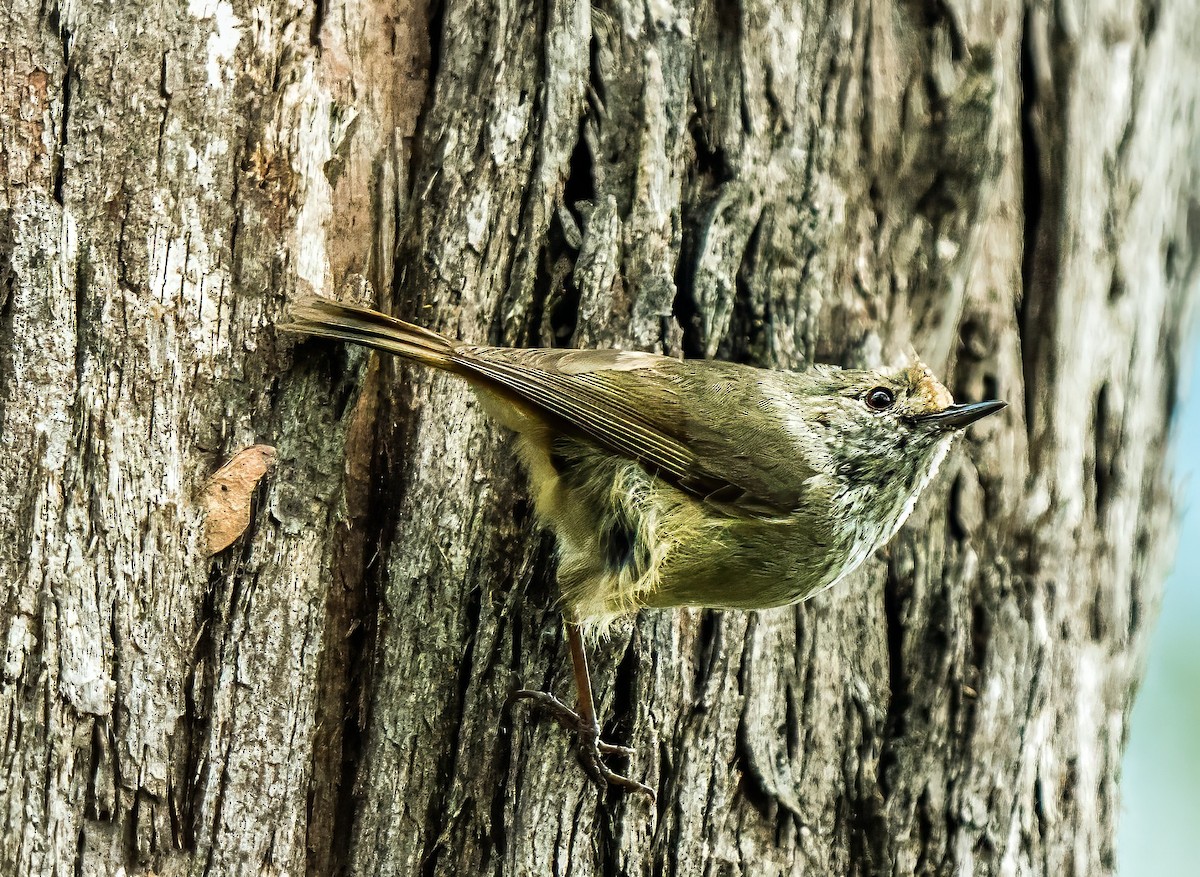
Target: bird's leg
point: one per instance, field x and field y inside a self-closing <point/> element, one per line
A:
<point x="582" y="720"/>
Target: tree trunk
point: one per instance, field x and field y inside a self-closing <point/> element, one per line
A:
<point x="1010" y="190"/>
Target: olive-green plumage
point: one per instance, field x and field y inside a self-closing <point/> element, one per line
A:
<point x="694" y="483"/>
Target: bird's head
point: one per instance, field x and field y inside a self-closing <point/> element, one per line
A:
<point x="884" y="432"/>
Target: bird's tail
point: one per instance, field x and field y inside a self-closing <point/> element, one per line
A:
<point x="330" y="319"/>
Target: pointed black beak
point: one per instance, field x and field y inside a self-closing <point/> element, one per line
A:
<point x="960" y="416"/>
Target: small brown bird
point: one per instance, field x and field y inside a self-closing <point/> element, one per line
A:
<point x="689" y="482"/>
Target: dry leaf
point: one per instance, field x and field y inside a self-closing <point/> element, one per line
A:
<point x="229" y="494"/>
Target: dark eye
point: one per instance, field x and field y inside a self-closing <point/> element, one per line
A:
<point x="881" y="398"/>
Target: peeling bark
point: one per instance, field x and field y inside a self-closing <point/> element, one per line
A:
<point x="1010" y="190"/>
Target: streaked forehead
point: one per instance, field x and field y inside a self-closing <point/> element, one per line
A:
<point x="926" y="390"/>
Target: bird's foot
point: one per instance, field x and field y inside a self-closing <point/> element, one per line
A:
<point x="587" y="733"/>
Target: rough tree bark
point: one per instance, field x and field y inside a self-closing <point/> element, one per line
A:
<point x="1009" y="188"/>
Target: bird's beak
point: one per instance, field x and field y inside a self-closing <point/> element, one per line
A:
<point x="960" y="416"/>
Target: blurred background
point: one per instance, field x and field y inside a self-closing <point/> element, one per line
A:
<point x="1159" y="830"/>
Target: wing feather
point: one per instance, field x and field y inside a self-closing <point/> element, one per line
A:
<point x="715" y="430"/>
<point x="631" y="403"/>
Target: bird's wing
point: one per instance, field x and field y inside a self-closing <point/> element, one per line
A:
<point x="706" y="427"/>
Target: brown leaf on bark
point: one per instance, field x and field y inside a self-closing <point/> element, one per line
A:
<point x="229" y="495"/>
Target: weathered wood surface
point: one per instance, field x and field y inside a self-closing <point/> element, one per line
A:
<point x="773" y="183"/>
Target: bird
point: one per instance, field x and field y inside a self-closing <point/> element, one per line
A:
<point x="674" y="482"/>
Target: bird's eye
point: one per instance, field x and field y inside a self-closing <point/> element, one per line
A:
<point x="881" y="398"/>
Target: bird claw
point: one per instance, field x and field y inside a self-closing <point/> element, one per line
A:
<point x="591" y="748"/>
